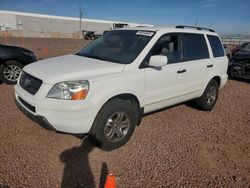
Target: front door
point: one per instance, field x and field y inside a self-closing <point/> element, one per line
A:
<point x="164" y="84"/>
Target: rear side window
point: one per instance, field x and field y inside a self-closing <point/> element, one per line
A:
<point x="216" y="46"/>
<point x="194" y="47"/>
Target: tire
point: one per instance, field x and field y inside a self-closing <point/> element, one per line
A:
<point x="209" y="97"/>
<point x="10" y="71"/>
<point x="116" y="116"/>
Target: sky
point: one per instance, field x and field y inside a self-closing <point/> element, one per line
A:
<point x="225" y="16"/>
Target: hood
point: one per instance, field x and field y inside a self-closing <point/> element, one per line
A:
<point x="13" y="47"/>
<point x="71" y="67"/>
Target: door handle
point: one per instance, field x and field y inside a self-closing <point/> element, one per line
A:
<point x="209" y="66"/>
<point x="181" y="71"/>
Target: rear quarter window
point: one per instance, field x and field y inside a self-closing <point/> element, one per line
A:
<point x="216" y="46"/>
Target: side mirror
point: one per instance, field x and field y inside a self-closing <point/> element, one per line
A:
<point x="158" y="60"/>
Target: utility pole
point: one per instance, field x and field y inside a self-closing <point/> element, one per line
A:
<point x="80" y="14"/>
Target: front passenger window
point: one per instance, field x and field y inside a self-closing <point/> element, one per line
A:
<point x="168" y="45"/>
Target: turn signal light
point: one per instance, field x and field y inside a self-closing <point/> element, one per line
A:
<point x="79" y="95"/>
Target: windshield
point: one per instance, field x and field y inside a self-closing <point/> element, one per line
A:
<point x="118" y="46"/>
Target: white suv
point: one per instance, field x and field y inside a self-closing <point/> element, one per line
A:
<point x="105" y="88"/>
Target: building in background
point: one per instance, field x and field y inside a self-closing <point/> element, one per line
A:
<point x="30" y="23"/>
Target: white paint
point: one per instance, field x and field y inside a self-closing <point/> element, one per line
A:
<point x="154" y="88"/>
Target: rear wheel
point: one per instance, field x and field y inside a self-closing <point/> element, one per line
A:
<point x="10" y="72"/>
<point x="209" y="97"/>
<point x="114" y="124"/>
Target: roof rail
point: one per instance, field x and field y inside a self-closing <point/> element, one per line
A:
<point x="194" y="27"/>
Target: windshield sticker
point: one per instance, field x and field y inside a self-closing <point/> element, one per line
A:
<point x="145" y="33"/>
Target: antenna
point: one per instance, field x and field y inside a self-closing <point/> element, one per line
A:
<point x="196" y="22"/>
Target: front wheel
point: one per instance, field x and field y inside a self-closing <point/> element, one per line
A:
<point x="114" y="124"/>
<point x="10" y="72"/>
<point x="209" y="97"/>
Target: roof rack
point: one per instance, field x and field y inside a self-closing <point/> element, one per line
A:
<point x="194" y="27"/>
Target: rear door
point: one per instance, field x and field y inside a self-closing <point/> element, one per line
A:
<point x="196" y="60"/>
<point x="218" y="61"/>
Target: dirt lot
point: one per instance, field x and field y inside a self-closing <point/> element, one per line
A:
<point x="47" y="47"/>
<point x="179" y="146"/>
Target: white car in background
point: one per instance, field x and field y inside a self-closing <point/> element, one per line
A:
<point x="105" y="88"/>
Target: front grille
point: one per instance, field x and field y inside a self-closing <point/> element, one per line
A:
<point x="27" y="105"/>
<point x="30" y="83"/>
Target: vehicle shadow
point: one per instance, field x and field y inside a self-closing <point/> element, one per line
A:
<point x="77" y="171"/>
<point x="190" y="104"/>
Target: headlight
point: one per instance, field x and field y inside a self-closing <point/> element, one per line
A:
<point x="71" y="90"/>
<point x="29" y="53"/>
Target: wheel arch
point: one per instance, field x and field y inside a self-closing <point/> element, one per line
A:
<point x="129" y="97"/>
<point x="217" y="79"/>
<point x="134" y="101"/>
<point x="132" y="98"/>
<point x="3" y="61"/>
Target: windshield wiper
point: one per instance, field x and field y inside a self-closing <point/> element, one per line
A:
<point x="91" y="56"/>
<point x="99" y="58"/>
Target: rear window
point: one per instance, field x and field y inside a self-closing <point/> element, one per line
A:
<point x="194" y="47"/>
<point x="216" y="46"/>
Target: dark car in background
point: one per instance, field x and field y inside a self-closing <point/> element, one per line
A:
<point x="242" y="54"/>
<point x="89" y="35"/>
<point x="12" y="60"/>
<point x="240" y="69"/>
<point x="241" y="46"/>
<point x="239" y="66"/>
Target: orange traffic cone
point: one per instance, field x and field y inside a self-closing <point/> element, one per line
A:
<point x="110" y="181"/>
<point x="46" y="50"/>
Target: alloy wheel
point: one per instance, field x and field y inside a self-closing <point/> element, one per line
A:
<point x="211" y="95"/>
<point x="117" y="126"/>
<point x="12" y="72"/>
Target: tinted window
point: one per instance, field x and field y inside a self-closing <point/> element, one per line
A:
<point x="168" y="45"/>
<point x="216" y="46"/>
<point x="194" y="47"/>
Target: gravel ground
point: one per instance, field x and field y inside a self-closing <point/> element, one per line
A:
<point x="179" y="146"/>
<point x="175" y="147"/>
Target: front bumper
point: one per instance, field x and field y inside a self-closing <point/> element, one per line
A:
<point x="74" y="117"/>
<point x="38" y="119"/>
